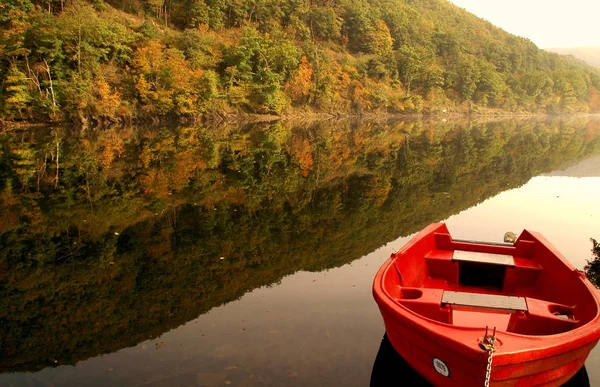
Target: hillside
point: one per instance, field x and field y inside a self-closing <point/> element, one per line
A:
<point x="586" y="168"/>
<point x="117" y="60"/>
<point x="590" y="55"/>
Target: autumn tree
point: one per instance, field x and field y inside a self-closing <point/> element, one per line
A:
<point x="17" y="96"/>
<point x="108" y="100"/>
<point x="14" y="22"/>
<point x="165" y="81"/>
<point x="300" y="84"/>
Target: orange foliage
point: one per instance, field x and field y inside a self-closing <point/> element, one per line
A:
<point x="157" y="151"/>
<point x="188" y="163"/>
<point x="155" y="182"/>
<point x="344" y="80"/>
<point x="302" y="150"/>
<point x="108" y="102"/>
<point x="299" y="86"/>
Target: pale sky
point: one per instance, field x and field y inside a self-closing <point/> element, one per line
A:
<point x="547" y="23"/>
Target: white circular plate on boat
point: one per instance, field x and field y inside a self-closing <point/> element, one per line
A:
<point x="441" y="367"/>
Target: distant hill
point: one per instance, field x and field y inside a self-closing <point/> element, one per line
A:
<point x="114" y="60"/>
<point x="586" y="168"/>
<point x="590" y="55"/>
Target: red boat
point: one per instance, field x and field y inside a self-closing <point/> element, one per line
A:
<point x="466" y="313"/>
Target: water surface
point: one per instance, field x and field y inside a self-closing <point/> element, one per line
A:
<point x="244" y="256"/>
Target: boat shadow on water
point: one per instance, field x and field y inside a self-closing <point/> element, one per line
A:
<point x="390" y="369"/>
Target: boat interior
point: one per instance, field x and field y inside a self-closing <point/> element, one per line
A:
<point x="522" y="288"/>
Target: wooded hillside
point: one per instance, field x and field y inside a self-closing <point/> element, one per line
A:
<point x="119" y="59"/>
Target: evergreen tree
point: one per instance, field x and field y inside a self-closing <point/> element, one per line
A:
<point x="17" y="96"/>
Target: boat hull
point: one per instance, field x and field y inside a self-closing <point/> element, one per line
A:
<point x="420" y="347"/>
<point x="436" y="317"/>
<point x="389" y="364"/>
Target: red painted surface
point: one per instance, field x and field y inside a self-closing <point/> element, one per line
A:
<point x="536" y="347"/>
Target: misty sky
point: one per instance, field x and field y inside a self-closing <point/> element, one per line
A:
<point x="547" y="23"/>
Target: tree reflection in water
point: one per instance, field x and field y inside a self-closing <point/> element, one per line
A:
<point x="109" y="237"/>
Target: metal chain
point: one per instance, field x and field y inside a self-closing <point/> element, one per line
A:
<point x="488" y="371"/>
<point x="487" y="345"/>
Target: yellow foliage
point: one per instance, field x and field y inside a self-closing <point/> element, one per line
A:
<point x="381" y="39"/>
<point x="166" y="81"/>
<point x="360" y="96"/>
<point x="148" y="58"/>
<point x="111" y="146"/>
<point x="108" y="101"/>
<point x="143" y="88"/>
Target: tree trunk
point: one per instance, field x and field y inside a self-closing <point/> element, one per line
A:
<point x="57" y="165"/>
<point x="51" y="86"/>
<point x="32" y="76"/>
<point x="79" y="51"/>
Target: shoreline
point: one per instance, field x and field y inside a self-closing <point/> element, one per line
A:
<point x="308" y="116"/>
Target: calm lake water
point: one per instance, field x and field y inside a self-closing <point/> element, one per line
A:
<point x="202" y="256"/>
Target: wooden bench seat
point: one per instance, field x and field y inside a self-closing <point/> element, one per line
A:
<point x="485" y="301"/>
<point x="493" y="259"/>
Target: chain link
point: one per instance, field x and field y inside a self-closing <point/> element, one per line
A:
<point x="488" y="371"/>
<point x="487" y="345"/>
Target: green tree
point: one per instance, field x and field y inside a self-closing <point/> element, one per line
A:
<point x="490" y="84"/>
<point x="17" y="96"/>
<point x="324" y="23"/>
<point x="413" y="63"/>
<point x="265" y="64"/>
<point x="592" y="268"/>
<point x="468" y="77"/>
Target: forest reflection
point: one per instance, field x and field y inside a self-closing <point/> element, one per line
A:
<point x="113" y="236"/>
